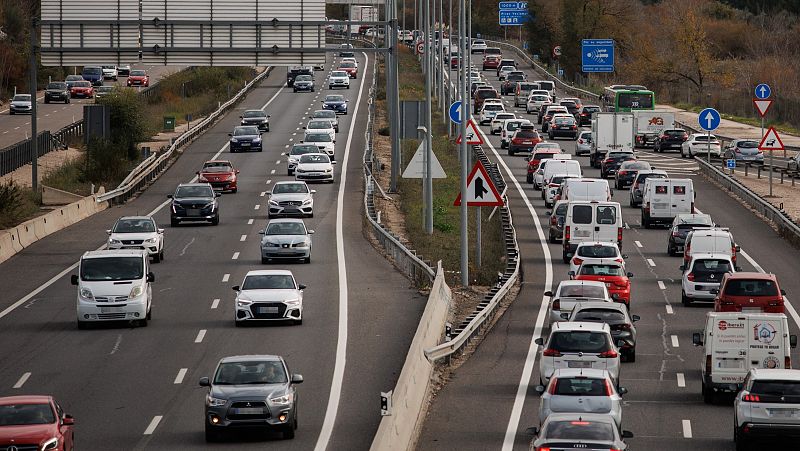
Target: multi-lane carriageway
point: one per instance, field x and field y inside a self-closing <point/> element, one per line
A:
<point x="136" y="388"/>
<point x="490" y="400"/>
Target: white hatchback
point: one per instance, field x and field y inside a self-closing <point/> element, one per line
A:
<point x="571" y="292"/>
<point x="137" y="232"/>
<point x="338" y="79"/>
<point x="269" y="295"/>
<point x="496" y="125"/>
<point x="703" y="274"/>
<point x="595" y="250"/>
<point x="489" y="110"/>
<point x="581" y="391"/>
<point x="578" y="345"/>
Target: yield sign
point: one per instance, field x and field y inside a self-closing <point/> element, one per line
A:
<point x="473" y="136"/>
<point x="762" y="105"/>
<point x="481" y="192"/>
<point x="771" y="141"/>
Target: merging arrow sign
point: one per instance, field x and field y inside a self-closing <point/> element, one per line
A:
<point x="481" y="192"/>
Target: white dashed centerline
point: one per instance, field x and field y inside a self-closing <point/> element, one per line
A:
<point x="661" y="285"/>
<point x="22" y="380"/>
<point x="681" y="380"/>
<point x="225" y="278"/>
<point x="200" y="335"/>
<point x="215" y="303"/>
<point x="669" y="310"/>
<point x="651" y="262"/>
<point x="235" y="256"/>
<point x="180" y="376"/>
<point x="153" y="425"/>
<point x="272" y="171"/>
<point x="250" y="221"/>
<point x="638" y="244"/>
<point x="243" y="238"/>
<point x="687" y="428"/>
<point x="257" y="207"/>
<point x="674" y="339"/>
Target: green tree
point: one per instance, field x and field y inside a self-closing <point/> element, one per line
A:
<point x="128" y="125"/>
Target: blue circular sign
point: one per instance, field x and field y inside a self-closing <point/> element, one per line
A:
<point x="455" y="112"/>
<point x="763" y="91"/>
<point x="709" y="119"/>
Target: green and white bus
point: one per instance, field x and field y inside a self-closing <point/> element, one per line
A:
<point x="626" y="98"/>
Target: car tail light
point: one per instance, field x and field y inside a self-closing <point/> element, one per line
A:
<point x="543" y="448"/>
<point x="619" y="260"/>
<point x="623" y="172"/>
<point x="580" y="141"/>
<point x="622" y="327"/>
<point x="690" y="277"/>
<point x="708" y="364"/>
<point x="787" y="362"/>
<point x="647" y="207"/>
<point x="664" y="136"/>
<point x="676" y="233"/>
<point x="566" y="234"/>
<point x="619" y="234"/>
<point x="737" y="150"/>
<point x="622" y="284"/>
<point x="577" y="261"/>
<point x="553" y="185"/>
<point x="610" y="354"/>
<point x="609" y="390"/>
<point x="551" y="353"/>
<point x="574" y="127"/>
<point x="556" y="304"/>
<point x="751" y="398"/>
<point x="553" y="220"/>
<point x="553" y="383"/>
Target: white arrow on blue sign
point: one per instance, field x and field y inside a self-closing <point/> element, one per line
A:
<point x="763" y="91"/>
<point x="709" y="119"/>
<point x="730" y="164"/>
<point x="455" y="112"/>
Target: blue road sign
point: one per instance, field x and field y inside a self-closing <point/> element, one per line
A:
<point x="561" y="72"/>
<point x="512" y="5"/>
<point x="763" y="91"/>
<point x="455" y="112"/>
<point x="730" y="164"/>
<point x="709" y="119"/>
<point x="597" y="55"/>
<point x="513" y="17"/>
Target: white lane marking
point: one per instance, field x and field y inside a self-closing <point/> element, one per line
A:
<point x="22" y="380"/>
<point x="278" y="162"/>
<point x="200" y="335"/>
<point x="674" y="339"/>
<point x="651" y="262"/>
<point x="262" y="194"/>
<point x="250" y="221"/>
<point x="341" y="339"/>
<point x="681" y="380"/>
<point x="287" y="146"/>
<point x="243" y="238"/>
<point x="180" y="376"/>
<point x="661" y="285"/>
<point x="235" y="256"/>
<point x="225" y="278"/>
<point x="58" y="276"/>
<point x="627" y="226"/>
<point x="669" y="309"/>
<point x="269" y="181"/>
<point x="272" y="171"/>
<point x="638" y="244"/>
<point x="294" y="134"/>
<point x="153" y="425"/>
<point x="215" y="303"/>
<point x="687" y="428"/>
<point x="257" y="207"/>
<point x="298" y="128"/>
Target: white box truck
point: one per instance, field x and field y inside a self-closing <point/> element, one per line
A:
<point x="610" y="131"/>
<point x="649" y="124"/>
<point x="735" y="342"/>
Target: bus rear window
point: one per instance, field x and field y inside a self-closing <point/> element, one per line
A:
<point x="635" y="100"/>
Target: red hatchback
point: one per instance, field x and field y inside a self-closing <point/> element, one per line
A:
<point x="138" y="78"/>
<point x="35" y="423"/>
<point x="749" y="292"/>
<point x="81" y="89"/>
<point x="610" y="272"/>
<point x="220" y="174"/>
<point x="350" y="68"/>
<point x="491" y="62"/>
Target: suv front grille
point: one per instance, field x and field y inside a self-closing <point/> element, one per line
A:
<point x="287" y="203"/>
<point x="263" y="415"/>
<point x="259" y="310"/>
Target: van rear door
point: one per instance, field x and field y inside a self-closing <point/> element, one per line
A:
<point x="660" y="198"/>
<point x="606" y="218"/>
<point x="682" y="195"/>
<point x="767" y="342"/>
<point x="729" y="349"/>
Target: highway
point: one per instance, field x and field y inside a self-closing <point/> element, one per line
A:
<point x="54" y="116"/>
<point x="490" y="400"/>
<point x="136" y="388"/>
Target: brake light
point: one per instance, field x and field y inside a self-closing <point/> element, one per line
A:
<point x="737" y="150"/>
<point x="751" y="398"/>
<point x="787" y="362"/>
<point x="623" y="172"/>
<point x="577" y="261"/>
<point x="553" y="383"/>
<point x="553" y="185"/>
<point x="566" y="234"/>
<point x="553" y="220"/>
<point x="647" y="207"/>
<point x="622" y="327"/>
<point x="664" y="136"/>
<point x="685" y="136"/>
<point x="619" y="260"/>
<point x="619" y="234"/>
<point x="708" y="364"/>
<point x="556" y="304"/>
<point x="580" y="141"/>
<point x="693" y="208"/>
<point x="690" y="277"/>
<point x="574" y="127"/>
<point x="551" y="353"/>
<point x="610" y="354"/>
<point x="609" y="391"/>
<point x="579" y="423"/>
<point x="543" y="448"/>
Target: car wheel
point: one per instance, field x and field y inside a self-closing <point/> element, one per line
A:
<point x="529" y="178"/>
<point x="503" y="145"/>
<point x="46" y="100"/>
<point x="149" y="315"/>
<point x="307" y="260"/>
<point x="215" y="220"/>
<point x="161" y="255"/>
<point x="511" y="153"/>
<point x="670" y="251"/>
<point x="142" y="323"/>
<point x="83" y="325"/>
<point x="66" y="101"/>
<point x="288" y="433"/>
<point x="564" y="257"/>
<point x="157" y="258"/>
<point x="550" y="238"/>
<point x="235" y="190"/>
<point x="708" y="394"/>
<point x="264" y="260"/>
<point x="645" y="222"/>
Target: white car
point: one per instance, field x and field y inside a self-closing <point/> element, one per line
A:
<point x="269" y="295"/>
<point x="535" y="102"/>
<point x="593" y="251"/>
<point x="571" y="292"/>
<point x="323" y="141"/>
<point x="766" y="407"/>
<point x="496" y="125"/>
<point x="489" y="110"/>
<point x="478" y="46"/>
<point x="578" y="345"/>
<point x="339" y="79"/>
<point x="701" y="143"/>
<point x="291" y="198"/>
<point x="508" y="128"/>
<point x="703" y="274"/>
<point x="137" y="232"/>
<point x="578" y="390"/>
<point x="474" y="77"/>
<point x="552" y="187"/>
<point x="316" y="167"/>
<point x="110" y="73"/>
<point x="320" y="126"/>
<point x="505" y="70"/>
<point x="327" y="114"/>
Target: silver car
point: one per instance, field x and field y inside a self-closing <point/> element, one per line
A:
<point x="581" y="431"/>
<point x="21" y="104"/>
<point x="574" y="390"/>
<point x="743" y="150"/>
<point x="327" y="114"/>
<point x="269" y="295"/>
<point x="286" y="238"/>
<point x="291" y="199"/>
<point x="293" y="157"/>
<point x="578" y="345"/>
<point x="583" y="146"/>
<point x="767" y="407"/>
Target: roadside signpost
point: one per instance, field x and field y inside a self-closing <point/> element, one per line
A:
<point x="770" y="141"/>
<point x="473" y="136"/>
<point x="762" y="106"/>
<point x="730" y="164"/>
<point x="597" y="55"/>
<point x="481" y="191"/>
<point x="421" y="48"/>
<point x="417" y="166"/>
<point x="763" y="91"/>
<point x="709" y="120"/>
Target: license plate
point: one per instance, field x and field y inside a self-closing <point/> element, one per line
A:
<point x="245" y="144"/>
<point x="582" y="233"/>
<point x="527" y="142"/>
<point x="731" y="363"/>
<point x="249" y="411"/>
<point x="109" y="310"/>
<point x="579" y="364"/>
<point x="268" y="310"/>
<point x="193" y="212"/>
<point x="782" y="413"/>
<point x="702" y="288"/>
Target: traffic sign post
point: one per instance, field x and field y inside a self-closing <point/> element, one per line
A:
<point x="481" y="191"/>
<point x="421" y="48"/>
<point x="771" y="142"/>
<point x="597" y="55"/>
<point x="455" y="112"/>
<point x="730" y="164"/>
<point x="709" y="120"/>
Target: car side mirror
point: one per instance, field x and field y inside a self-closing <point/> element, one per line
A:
<point x="151" y="277"/>
<point x="230" y="134"/>
<point x="297" y="378"/>
<point x="238" y="171"/>
<point x="532" y="431"/>
<point x="310" y="232"/>
<point x="235" y="288"/>
<point x="108" y="231"/>
<point x="624" y="256"/>
<point x="68" y="420"/>
<point x="334" y="141"/>
<point x="539" y="341"/>
<point x="571" y="274"/>
<point x="301" y="286"/>
<point x="197" y="172"/>
<point x="160" y="230"/>
<point x="714" y="291"/>
<point x="697" y="339"/>
<point x="615" y="296"/>
<point x="217" y="194"/>
<point x="630" y="274"/>
<point x="738" y="248"/>
<point x="783" y="292"/>
<point x="261" y="232"/>
<point x="620" y="343"/>
<point x="169" y="196"/>
<point x="548" y="294"/>
<point x="313" y="191"/>
<point x="627" y="434"/>
<point x="549" y="213"/>
<point x="682" y="267"/>
<point x="738" y="268"/>
<point x="205" y="382"/>
<point x="304" y="127"/>
<point x="539" y="389"/>
<point x="622" y="390"/>
<point x="565" y="315"/>
<point x="635" y="318"/>
<point x="241" y="117"/>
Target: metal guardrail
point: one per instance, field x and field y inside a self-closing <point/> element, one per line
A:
<point x="150" y="168"/>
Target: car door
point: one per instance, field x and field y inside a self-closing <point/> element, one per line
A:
<point x="605" y="222"/>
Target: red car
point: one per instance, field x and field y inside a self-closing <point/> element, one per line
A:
<point x="610" y="272"/>
<point x="350" y="68"/>
<point x="81" y="89"/>
<point x="491" y="62"/>
<point x="749" y="292"/>
<point x="138" y="77"/>
<point x="536" y="157"/>
<point x="34" y="422"/>
<point x="220" y="174"/>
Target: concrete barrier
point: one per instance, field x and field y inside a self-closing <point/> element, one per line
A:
<point x="411" y="395"/>
<point x="14" y="240"/>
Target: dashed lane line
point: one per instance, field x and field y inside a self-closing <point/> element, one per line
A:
<point x="200" y="335"/>
<point x="24" y="378"/>
<point x="180" y="376"/>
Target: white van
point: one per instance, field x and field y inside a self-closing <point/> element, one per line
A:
<point x="549" y="86"/>
<point x="663" y="199"/>
<point x="735" y="342"/>
<point x="709" y="241"/>
<point x="586" y="189"/>
<point x="556" y="165"/>
<point x="591" y="221"/>
<point x="114" y="285"/>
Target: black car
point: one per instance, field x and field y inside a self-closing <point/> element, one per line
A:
<point x="510" y="83"/>
<point x="681" y="226"/>
<point x="614" y="314"/>
<point x="612" y="162"/>
<point x="256" y="118"/>
<point x="246" y="137"/>
<point x="627" y="172"/>
<point x="194" y="202"/>
<point x="251" y="391"/>
<point x="335" y="102"/>
<point x="293" y="72"/>
<point x="572" y="107"/>
<point x="670" y="139"/>
<point x="347" y="54"/>
<point x="303" y="82"/>
<point x="584" y="114"/>
<point x="563" y="126"/>
<point x="56" y="91"/>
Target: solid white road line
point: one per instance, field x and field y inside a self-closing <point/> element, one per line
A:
<point x="235" y="256"/>
<point x="22" y="380"/>
<point x="341" y="339"/>
<point x="669" y="309"/>
<point x="153" y="425"/>
<point x="651" y="262"/>
<point x="687" y="428"/>
<point x="180" y="376"/>
<point x="638" y="244"/>
<point x="225" y="278"/>
<point x="674" y="339"/>
<point x="661" y="285"/>
<point x="215" y="303"/>
<point x="200" y="335"/>
<point x="681" y="380"/>
<point x="243" y="238"/>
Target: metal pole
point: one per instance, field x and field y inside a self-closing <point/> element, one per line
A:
<point x="478" y="236"/>
<point x="450" y="94"/>
<point x="465" y="115"/>
<point x="34" y="133"/>
<point x="428" y="138"/>
<point x="444" y="62"/>
<point x="391" y="79"/>
<point x="708" y="147"/>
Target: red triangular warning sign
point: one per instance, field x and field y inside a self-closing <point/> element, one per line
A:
<point x="481" y="192"/>
<point x="473" y="136"/>
<point x="762" y="105"/>
<point x="771" y="141"/>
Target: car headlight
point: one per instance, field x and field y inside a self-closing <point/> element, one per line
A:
<point x="282" y="400"/>
<point x="243" y="302"/>
<point x="328" y="170"/>
<point x="234" y="140"/>
<point x="257" y="140"/>
<point x="50" y="444"/>
<point x="300" y="170"/>
<point x="151" y="240"/>
<point x="274" y="203"/>
<point x="215" y="402"/>
<point x="292" y="160"/>
<point x="213" y="205"/>
<point x="114" y="241"/>
<point x="175" y="207"/>
<point x="86" y="293"/>
<point x="305" y="243"/>
<point x="292" y="302"/>
<point x="271" y="244"/>
<point x="202" y="179"/>
<point x="308" y="201"/>
<point x="136" y="291"/>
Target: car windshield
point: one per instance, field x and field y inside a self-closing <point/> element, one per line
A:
<point x="539" y="98"/>
<point x="751" y="287"/>
<point x="579" y="430"/>
<point x="319" y="125"/>
<point x="303" y="78"/>
<point x="548" y="85"/>
<point x="314" y="158"/>
<point x="635" y="165"/>
<point x="286" y="228"/>
<point x="290" y="188"/>
<point x="580" y="386"/>
<point x="590" y="342"/>
<point x="318" y="137"/>
<point x="334" y="98"/>
<point x="705" y="138"/>
<point x="597" y="251"/>
<point x="503" y="116"/>
<point x="487" y="94"/>
<point x="347" y="65"/>
<point x="777" y="388"/>
<point x="57" y="86"/>
<point x="582" y="291"/>
<point x="747" y="144"/>
<point x="268" y="282"/>
<point x="137" y="73"/>
<point x="599" y="315"/>
<point x="21" y="414"/>
<point x="564" y="120"/>
<point x="601" y="270"/>
<point x="513" y="125"/>
<point x="144" y="225"/>
<point x="302" y="149"/>
<point x="591" y="109"/>
<point x="111" y="268"/>
<point x="254" y="113"/>
<point x="245" y="131"/>
<point x="542" y="156"/>
<point x="324" y="114"/>
<point x="619" y="155"/>
<point x="339" y="73"/>
<point x="242" y="373"/>
<point x="194" y="191"/>
<point x="493" y="107"/>
<point x="105" y="88"/>
<point x="22" y="98"/>
<point x="526" y="134"/>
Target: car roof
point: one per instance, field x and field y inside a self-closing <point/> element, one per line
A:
<point x="193" y="184"/>
<point x="566" y="283"/>
<point x="593" y="373"/>
<point x="711" y="231"/>
<point x="567" y="326"/>
<point x="711" y="255"/>
<point x="269" y="272"/>
<point x="752" y="275"/>
<point x="25" y="399"/>
<point x="599" y="304"/>
<point x="594" y="417"/>
<point x="597" y="243"/>
<point x="286" y="220"/>
<point x="774" y="374"/>
<point x="251" y="358"/>
<point x="290" y="182"/>
<point x="114" y="253"/>
<point x="134" y="217"/>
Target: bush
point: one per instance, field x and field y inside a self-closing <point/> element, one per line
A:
<point x="128" y="124"/>
<point x="106" y="162"/>
<point x="16" y="204"/>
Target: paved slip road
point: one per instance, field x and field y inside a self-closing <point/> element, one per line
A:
<point x="54" y="116"/>
<point x="491" y="400"/>
<point x="126" y="386"/>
